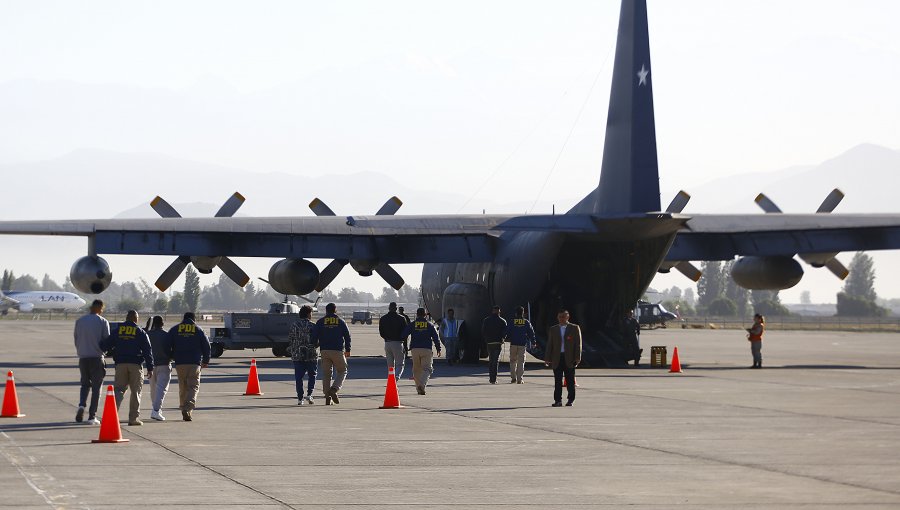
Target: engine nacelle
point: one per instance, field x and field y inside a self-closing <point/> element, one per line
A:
<point x="25" y="307"/>
<point x="766" y="273"/>
<point x="363" y="267"/>
<point x="90" y="275"/>
<point x="294" y="276"/>
<point x="205" y="265"/>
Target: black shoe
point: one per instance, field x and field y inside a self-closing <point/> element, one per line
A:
<point x="569" y="404"/>
<point x="420" y="390"/>
<point x="334" y="396"/>
<point x="79" y="416"/>
<point x="186" y="416"/>
<point x="557" y="404"/>
<point x="493" y="382"/>
<point x="328" y="399"/>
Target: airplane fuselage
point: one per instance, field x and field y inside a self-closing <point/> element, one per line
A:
<point x="41" y="301"/>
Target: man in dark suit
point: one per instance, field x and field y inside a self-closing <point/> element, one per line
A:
<point x="563" y="354"/>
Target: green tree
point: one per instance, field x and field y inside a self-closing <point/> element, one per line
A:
<point x="328" y="296"/>
<point x="191" y="289"/>
<point x="722" y="307"/>
<point x="161" y="304"/>
<point x="129" y="303"/>
<point x="768" y="302"/>
<point x="861" y="280"/>
<point x="48" y="284"/>
<point x="24" y="283"/>
<point x="679" y="307"/>
<point x="855" y="306"/>
<point x="7" y="281"/>
<point x="177" y="304"/>
<point x="348" y="295"/>
<point x="388" y="294"/>
<point x="805" y="298"/>
<point x="711" y="285"/>
<point x="737" y="294"/>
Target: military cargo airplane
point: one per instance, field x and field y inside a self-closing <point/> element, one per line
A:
<point x="39" y="300"/>
<point x="596" y="260"/>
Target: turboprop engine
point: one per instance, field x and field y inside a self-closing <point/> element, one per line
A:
<point x="294" y="276"/>
<point x="90" y="274"/>
<point x="766" y="273"/>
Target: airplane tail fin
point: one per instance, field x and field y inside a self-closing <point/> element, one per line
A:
<point x="629" y="177"/>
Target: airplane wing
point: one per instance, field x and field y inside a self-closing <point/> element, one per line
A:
<point x="722" y="237"/>
<point x="389" y="239"/>
<point x="8" y="301"/>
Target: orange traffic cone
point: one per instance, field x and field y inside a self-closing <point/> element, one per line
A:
<point x="676" y="365"/>
<point x="391" y="396"/>
<point x="566" y="384"/>
<point x="253" y="380"/>
<point x="10" y="400"/>
<point x="110" y="431"/>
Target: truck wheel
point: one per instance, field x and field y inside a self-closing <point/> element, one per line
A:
<point x="216" y="350"/>
<point x="369" y="322"/>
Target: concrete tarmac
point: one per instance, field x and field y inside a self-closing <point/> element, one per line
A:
<point x="818" y="427"/>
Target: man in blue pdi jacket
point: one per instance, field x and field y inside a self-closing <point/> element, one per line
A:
<point x="333" y="338"/>
<point x="423" y="335"/>
<point x="520" y="334"/>
<point x="189" y="348"/>
<point x="130" y="345"/>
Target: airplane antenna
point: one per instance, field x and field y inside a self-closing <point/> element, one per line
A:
<point x="572" y="130"/>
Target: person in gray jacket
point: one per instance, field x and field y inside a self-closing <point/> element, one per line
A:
<point x="162" y="367"/>
<point x="90" y="330"/>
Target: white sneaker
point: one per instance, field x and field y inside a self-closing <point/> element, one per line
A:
<point x="309" y="400"/>
<point x="301" y="401"/>
<point x="93" y="421"/>
<point x="156" y="415"/>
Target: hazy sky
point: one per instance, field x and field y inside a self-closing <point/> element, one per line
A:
<point x="476" y="95"/>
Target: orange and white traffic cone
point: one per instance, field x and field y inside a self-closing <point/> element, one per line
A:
<point x="391" y="395"/>
<point x="253" y="380"/>
<point x="10" y="400"/>
<point x="110" y="431"/>
<point x="676" y="364"/>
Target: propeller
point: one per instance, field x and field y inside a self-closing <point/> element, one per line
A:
<point x="333" y="269"/>
<point x="683" y="266"/>
<point x="827" y="260"/>
<point x="171" y="273"/>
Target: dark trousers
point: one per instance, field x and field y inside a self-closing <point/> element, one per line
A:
<point x="558" y="372"/>
<point x="92" y="370"/>
<point x="494" y="360"/>
<point x="309" y="368"/>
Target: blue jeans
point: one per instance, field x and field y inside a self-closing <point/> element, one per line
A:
<point x="305" y="367"/>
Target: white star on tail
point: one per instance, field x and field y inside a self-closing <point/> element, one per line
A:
<point x="642" y="75"/>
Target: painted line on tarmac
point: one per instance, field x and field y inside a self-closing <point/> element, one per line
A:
<point x="132" y="432"/>
<point x="37" y="477"/>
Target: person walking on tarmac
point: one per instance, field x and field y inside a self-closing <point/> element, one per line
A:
<point x="305" y="354"/>
<point x="423" y="335"/>
<point x="162" y="367"/>
<point x="563" y="354"/>
<point x="90" y="330"/>
<point x="755" y="334"/>
<point x="493" y="328"/>
<point x="188" y="346"/>
<point x="130" y="345"/>
<point x="390" y="327"/>
<point x="520" y="335"/>
<point x="451" y="331"/>
<point x="333" y="338"/>
<point x="632" y="330"/>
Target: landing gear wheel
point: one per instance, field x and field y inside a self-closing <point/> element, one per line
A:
<point x="280" y="351"/>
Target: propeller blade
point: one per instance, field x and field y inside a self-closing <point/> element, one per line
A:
<point x="766" y="205"/>
<point x="163" y="208"/>
<point x="831" y="201"/>
<point x="330" y="273"/>
<point x="679" y="202"/>
<point x="320" y="209"/>
<point x="835" y="266"/>
<point x="389" y="275"/>
<point x="168" y="277"/>
<point x="390" y="207"/>
<point x="690" y="270"/>
<point x="232" y="271"/>
<point x="231" y="206"/>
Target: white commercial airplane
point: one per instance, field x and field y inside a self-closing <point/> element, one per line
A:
<point x="37" y="300"/>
